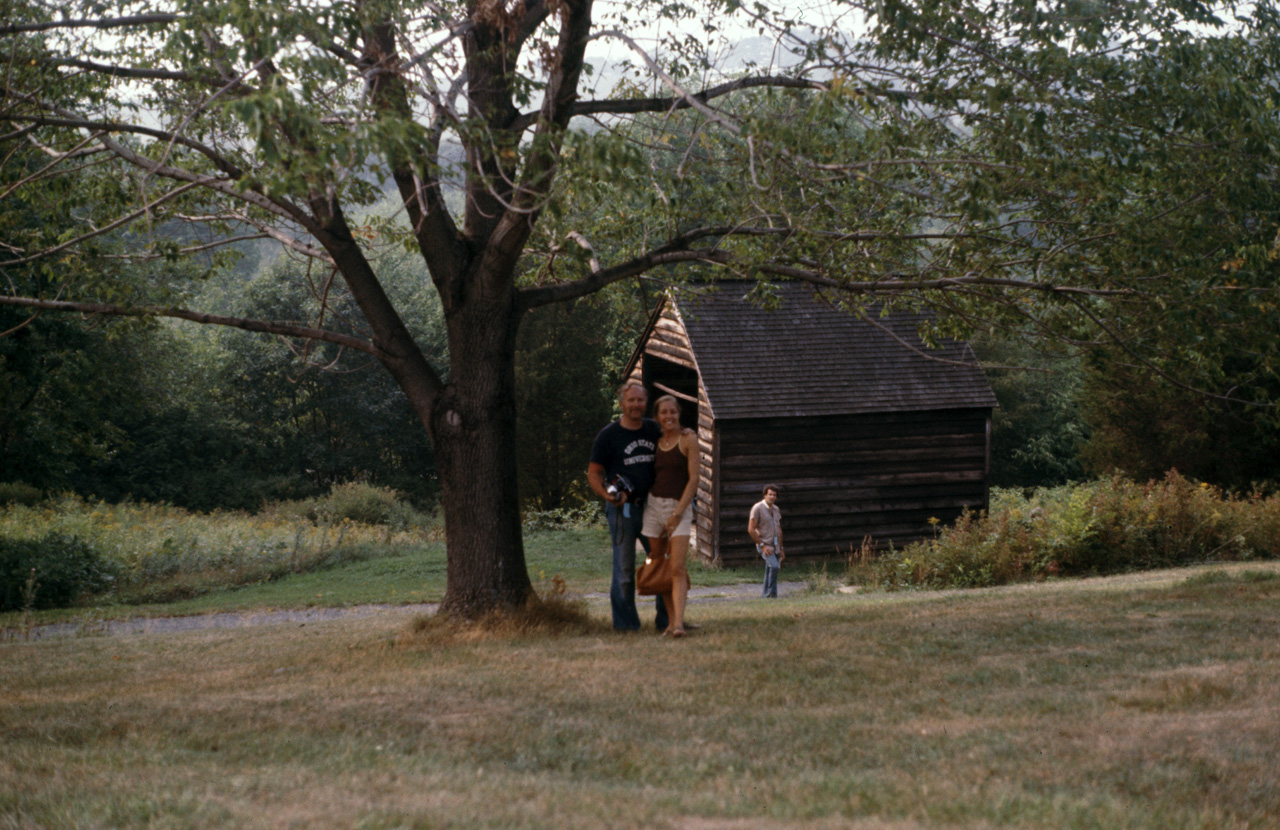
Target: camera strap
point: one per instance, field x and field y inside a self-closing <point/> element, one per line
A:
<point x="624" y="515"/>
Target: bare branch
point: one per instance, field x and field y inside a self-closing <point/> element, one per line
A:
<point x="679" y="249"/>
<point x="943" y="284"/>
<point x="267" y="231"/>
<point x="290" y="242"/>
<point x="21" y="325"/>
<point x="911" y="347"/>
<point x="585" y="245"/>
<point x="74" y="122"/>
<point x="263" y="326"/>
<point x="547" y="294"/>
<point x="194" y="249"/>
<point x="630" y="106"/>
<point x="688" y="99"/>
<point x="90" y="23"/>
<point x="127" y="71"/>
<point x="18" y="133"/>
<point x="280" y="207"/>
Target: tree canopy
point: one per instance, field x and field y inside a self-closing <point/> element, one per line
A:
<point x="1102" y="173"/>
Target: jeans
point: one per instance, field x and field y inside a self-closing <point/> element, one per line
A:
<point x="623" y="532"/>
<point x="770" y="582"/>
<point x="770" y="571"/>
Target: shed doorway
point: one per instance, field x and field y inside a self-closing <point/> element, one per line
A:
<point x="665" y="377"/>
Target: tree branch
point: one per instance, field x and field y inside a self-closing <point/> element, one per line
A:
<point x="679" y="249"/>
<point x="506" y="243"/>
<point x="1169" y="378"/>
<point x="423" y="201"/>
<point x="546" y="294"/>
<point x="89" y="23"/>
<point x="77" y="122"/>
<point x="126" y="71"/>
<point x="124" y="220"/>
<point x="194" y="249"/>
<point x="280" y="207"/>
<point x="262" y="326"/>
<point x="625" y="106"/>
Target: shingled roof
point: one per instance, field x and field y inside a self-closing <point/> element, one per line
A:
<point x="809" y="358"/>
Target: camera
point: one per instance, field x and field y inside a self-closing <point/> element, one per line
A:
<point x="620" y="485"/>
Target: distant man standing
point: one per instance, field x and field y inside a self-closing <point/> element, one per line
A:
<point x="765" y="527"/>
<point x="621" y="472"/>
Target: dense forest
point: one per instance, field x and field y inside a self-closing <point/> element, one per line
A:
<point x="206" y="418"/>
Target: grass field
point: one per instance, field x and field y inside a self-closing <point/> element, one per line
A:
<point x="400" y="573"/>
<point x="1147" y="702"/>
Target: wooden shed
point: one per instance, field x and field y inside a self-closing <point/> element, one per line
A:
<point x="866" y="432"/>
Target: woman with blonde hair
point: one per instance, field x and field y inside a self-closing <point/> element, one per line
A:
<point x="668" y="513"/>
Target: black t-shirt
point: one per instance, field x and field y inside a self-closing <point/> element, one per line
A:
<point x="629" y="452"/>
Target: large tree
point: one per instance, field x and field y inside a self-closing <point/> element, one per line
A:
<point x="1096" y="171"/>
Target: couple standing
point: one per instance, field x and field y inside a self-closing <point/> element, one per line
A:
<point x="658" y="462"/>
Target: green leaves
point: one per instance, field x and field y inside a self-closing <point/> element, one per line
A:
<point x="1091" y="171"/>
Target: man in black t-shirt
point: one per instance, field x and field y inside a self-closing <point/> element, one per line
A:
<point x="626" y="447"/>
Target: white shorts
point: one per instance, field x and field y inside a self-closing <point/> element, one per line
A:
<point x="658" y="510"/>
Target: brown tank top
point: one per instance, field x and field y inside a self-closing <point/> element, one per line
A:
<point x="670" y="473"/>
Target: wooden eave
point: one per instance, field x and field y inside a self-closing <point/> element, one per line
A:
<point x="646" y="343"/>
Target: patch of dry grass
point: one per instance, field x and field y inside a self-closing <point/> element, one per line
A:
<point x="1142" y="704"/>
<point x="549" y="613"/>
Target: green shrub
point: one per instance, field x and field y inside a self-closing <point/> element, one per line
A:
<point x="364" y="503"/>
<point x="53" y="571"/>
<point x="16" y="492"/>
<point x="1108" y="526"/>
<point x="353" y="502"/>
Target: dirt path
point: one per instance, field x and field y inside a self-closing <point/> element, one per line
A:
<point x="249" y="619"/>
<point x="741" y="592"/>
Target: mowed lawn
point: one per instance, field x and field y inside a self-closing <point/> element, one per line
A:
<point x="1117" y="703"/>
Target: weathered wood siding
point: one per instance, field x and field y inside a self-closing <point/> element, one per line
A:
<point x="867" y="433"/>
<point x="668" y="366"/>
<point x="844" y="478"/>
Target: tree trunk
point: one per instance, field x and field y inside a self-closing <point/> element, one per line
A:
<point x="473" y="427"/>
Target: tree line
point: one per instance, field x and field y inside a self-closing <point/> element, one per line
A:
<point x="211" y="419"/>
<point x="214" y="419"/>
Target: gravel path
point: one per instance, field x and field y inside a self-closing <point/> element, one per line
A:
<point x="724" y="593"/>
<point x="248" y="619"/>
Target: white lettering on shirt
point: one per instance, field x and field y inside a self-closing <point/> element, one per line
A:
<point x="639" y="442"/>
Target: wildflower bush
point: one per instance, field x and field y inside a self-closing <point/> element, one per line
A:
<point x="1107" y="526"/>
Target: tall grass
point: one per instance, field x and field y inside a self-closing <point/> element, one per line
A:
<point x="159" y="553"/>
<point x="1107" y="526"/>
<point x="168" y="562"/>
